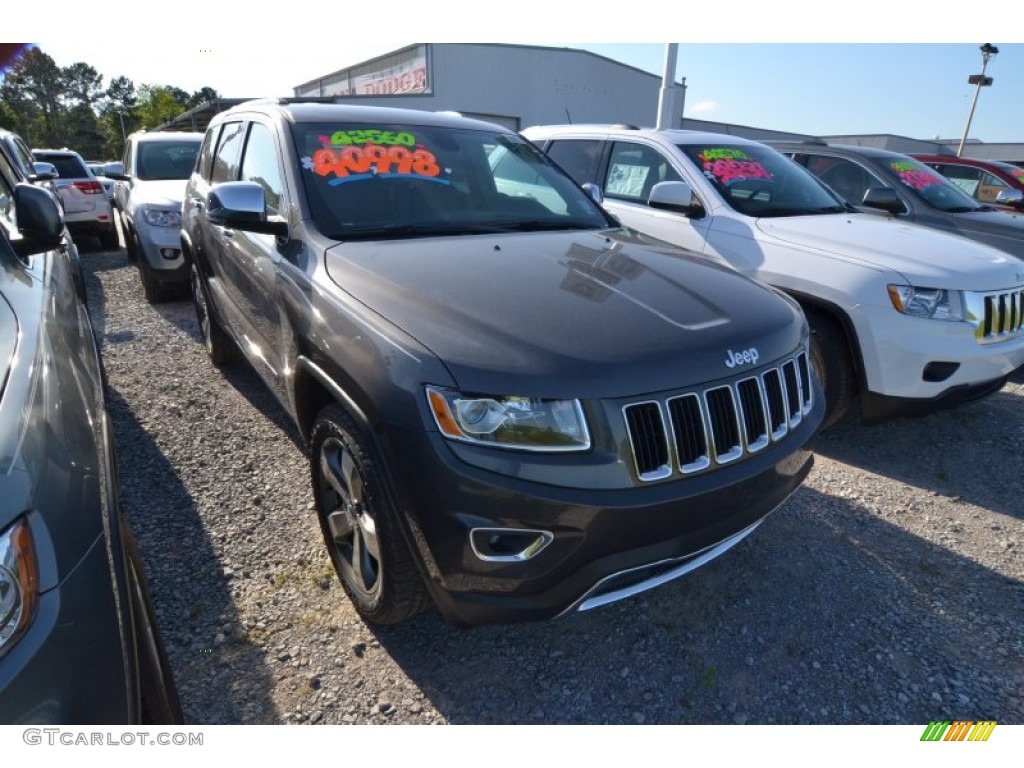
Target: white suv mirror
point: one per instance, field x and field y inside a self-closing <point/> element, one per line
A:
<point x="674" y="196"/>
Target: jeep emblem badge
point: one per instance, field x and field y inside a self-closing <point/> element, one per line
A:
<point x="746" y="357"/>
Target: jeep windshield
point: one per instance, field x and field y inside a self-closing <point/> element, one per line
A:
<point x="931" y="186"/>
<point x="399" y="181"/>
<point x="759" y="181"/>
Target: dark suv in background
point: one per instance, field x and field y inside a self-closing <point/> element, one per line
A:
<point x="513" y="406"/>
<point x="79" y="641"/>
<point x="884" y="182"/>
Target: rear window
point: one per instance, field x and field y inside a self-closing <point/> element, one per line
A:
<point x="68" y="166"/>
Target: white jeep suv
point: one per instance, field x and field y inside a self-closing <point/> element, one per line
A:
<point x="908" y="318"/>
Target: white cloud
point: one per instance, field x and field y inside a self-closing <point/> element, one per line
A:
<point x="703" y="108"/>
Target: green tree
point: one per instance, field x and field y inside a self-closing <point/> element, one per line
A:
<point x="203" y="95"/>
<point x="82" y="84"/>
<point x="32" y="89"/>
<point x="157" y="105"/>
<point x="118" y="114"/>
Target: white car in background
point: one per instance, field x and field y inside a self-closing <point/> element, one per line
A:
<point x="148" y="198"/>
<point x="87" y="209"/>
<point x="905" y="318"/>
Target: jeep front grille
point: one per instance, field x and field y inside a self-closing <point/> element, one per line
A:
<point x="997" y="316"/>
<point x="699" y="430"/>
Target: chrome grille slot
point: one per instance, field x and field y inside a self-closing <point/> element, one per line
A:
<point x="792" y="392"/>
<point x="755" y="422"/>
<point x="777" y="421"/>
<point x="648" y="439"/>
<point x="698" y="431"/>
<point x="726" y="444"/>
<point x="997" y="316"/>
<point x="805" y="381"/>
<point x="688" y="430"/>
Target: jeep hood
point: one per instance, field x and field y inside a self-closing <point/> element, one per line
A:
<point x="568" y="314"/>
<point x="923" y="256"/>
<point x="169" y="192"/>
<point x="1001" y="229"/>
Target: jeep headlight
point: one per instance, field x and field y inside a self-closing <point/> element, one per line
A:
<point x="934" y="303"/>
<point x="18" y="583"/>
<point x="526" y="423"/>
<point x="162" y="218"/>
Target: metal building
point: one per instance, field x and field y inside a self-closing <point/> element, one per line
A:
<point x="513" y="85"/>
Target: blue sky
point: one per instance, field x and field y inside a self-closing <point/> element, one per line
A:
<point x="742" y="64"/>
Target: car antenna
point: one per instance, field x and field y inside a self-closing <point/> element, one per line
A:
<point x="568" y="116"/>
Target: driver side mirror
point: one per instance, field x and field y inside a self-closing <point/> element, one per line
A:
<point x="43" y="172"/>
<point x="114" y="171"/>
<point x="675" y="196"/>
<point x="40" y="220"/>
<point x="242" y="205"/>
<point x="1012" y="197"/>
<point x="884" y="199"/>
<point x="593" y="192"/>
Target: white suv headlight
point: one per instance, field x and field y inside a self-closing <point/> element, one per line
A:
<point x="934" y="303"/>
<point x="526" y="423"/>
<point x="18" y="583"/>
<point x="162" y="218"/>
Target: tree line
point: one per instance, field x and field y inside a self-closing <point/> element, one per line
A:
<point x="55" y="107"/>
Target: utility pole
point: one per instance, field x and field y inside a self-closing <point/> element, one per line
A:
<point x="987" y="51"/>
<point x="670" y="99"/>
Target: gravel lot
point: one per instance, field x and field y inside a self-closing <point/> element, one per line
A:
<point x="889" y="589"/>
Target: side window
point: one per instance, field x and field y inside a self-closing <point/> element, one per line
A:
<point x="990" y="187"/>
<point x="633" y="171"/>
<point x="7" y="202"/>
<point x="225" y="163"/>
<point x="206" y="153"/>
<point x="577" y="157"/>
<point x="848" y="179"/>
<point x="965" y="177"/>
<point x="127" y="159"/>
<point x="261" y="166"/>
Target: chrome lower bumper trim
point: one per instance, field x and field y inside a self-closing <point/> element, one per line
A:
<point x="687" y="564"/>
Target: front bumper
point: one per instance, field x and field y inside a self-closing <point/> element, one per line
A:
<point x="70" y="667"/>
<point x="915" y="365"/>
<point x="595" y="535"/>
<point x="160" y="251"/>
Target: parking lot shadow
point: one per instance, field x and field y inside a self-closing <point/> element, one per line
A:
<point x="827" y="614"/>
<point x="191" y="592"/>
<point x="972" y="453"/>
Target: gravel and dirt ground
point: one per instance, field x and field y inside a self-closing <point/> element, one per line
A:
<point x="889" y="589"/>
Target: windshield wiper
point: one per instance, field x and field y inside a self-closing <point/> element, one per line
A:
<point x="541" y="225"/>
<point x="802" y="211"/>
<point x="401" y="231"/>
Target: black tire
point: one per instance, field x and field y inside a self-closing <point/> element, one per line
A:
<point x="109" y="239"/>
<point x="360" y="525"/>
<point x="158" y="694"/>
<point x="154" y="292"/>
<point x="219" y="346"/>
<point x="131" y="245"/>
<point x="830" y="357"/>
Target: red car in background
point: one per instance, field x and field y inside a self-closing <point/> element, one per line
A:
<point x="987" y="181"/>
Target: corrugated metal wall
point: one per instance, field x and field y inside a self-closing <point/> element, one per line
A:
<point x="521" y="86"/>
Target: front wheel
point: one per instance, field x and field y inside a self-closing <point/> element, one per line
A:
<point x="360" y="525"/>
<point x="830" y="357"/>
<point x="218" y="344"/>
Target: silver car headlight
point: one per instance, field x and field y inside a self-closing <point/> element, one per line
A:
<point x="934" y="303"/>
<point x="162" y="218"/>
<point x="18" y="583"/>
<point x="526" y="423"/>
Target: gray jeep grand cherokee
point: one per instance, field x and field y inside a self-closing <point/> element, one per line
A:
<point x="513" y="406"/>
